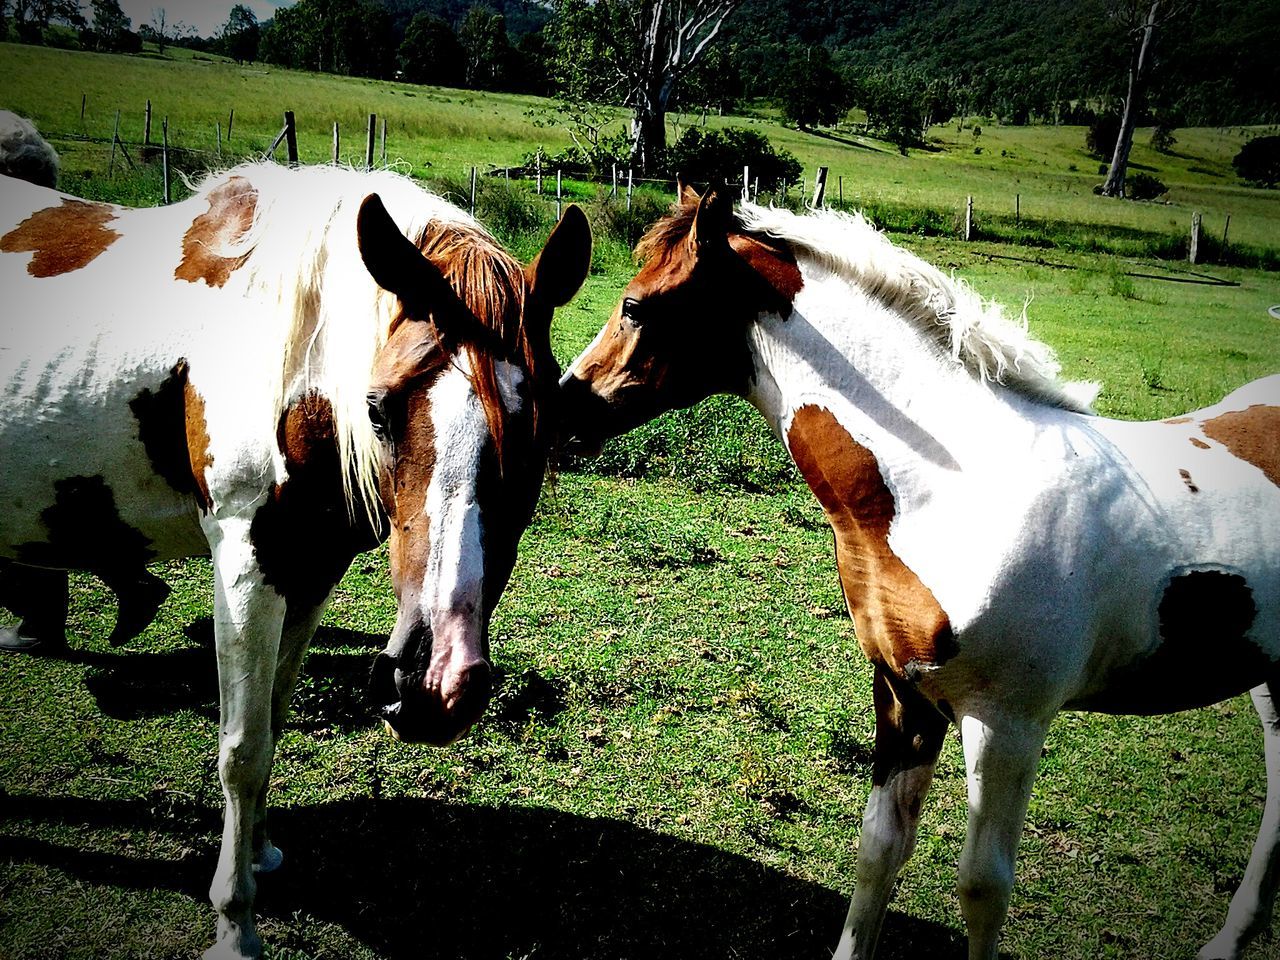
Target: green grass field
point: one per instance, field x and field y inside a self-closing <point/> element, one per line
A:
<point x="677" y="758"/>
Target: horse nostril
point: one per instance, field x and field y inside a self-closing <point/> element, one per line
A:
<point x="470" y="685"/>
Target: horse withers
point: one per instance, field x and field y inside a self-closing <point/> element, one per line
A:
<point x="280" y="372"/>
<point x="1004" y="553"/>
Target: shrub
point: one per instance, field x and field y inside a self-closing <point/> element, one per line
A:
<point x="1259" y="161"/>
<point x="1162" y="139"/>
<point x="1100" y="138"/>
<point x="1143" y="186"/>
<point x="701" y="156"/>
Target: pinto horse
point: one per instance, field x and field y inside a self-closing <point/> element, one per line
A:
<point x="277" y="373"/>
<point x="1004" y="553"/>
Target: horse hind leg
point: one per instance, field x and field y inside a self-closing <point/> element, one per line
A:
<point x="1252" y="905"/>
<point x="909" y="737"/>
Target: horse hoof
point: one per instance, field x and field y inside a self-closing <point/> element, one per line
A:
<point x="269" y="859"/>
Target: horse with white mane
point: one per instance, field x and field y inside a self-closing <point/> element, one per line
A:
<point x="276" y="373"/>
<point x="1004" y="553"/>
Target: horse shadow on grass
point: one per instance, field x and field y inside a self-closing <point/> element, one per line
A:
<point x="423" y="878"/>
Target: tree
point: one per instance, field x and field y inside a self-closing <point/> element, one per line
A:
<point x="1259" y="161"/>
<point x="333" y="36"/>
<point x="241" y="35"/>
<point x="32" y="17"/>
<point x="487" y="48"/>
<point x="636" y="51"/>
<point x="110" y="25"/>
<point x="431" y="53"/>
<point x="812" y="91"/>
<point x="1141" y="30"/>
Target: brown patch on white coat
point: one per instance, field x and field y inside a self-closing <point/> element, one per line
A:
<point x="1252" y="435"/>
<point x="172" y="428"/>
<point x="900" y="624"/>
<point x="230" y="215"/>
<point x="63" y="238"/>
<point x="701" y="282"/>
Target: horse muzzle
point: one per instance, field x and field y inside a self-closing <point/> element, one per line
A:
<point x="433" y="698"/>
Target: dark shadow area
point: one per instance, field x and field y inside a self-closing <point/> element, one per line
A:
<point x="849" y="142"/>
<point x="426" y="878"/>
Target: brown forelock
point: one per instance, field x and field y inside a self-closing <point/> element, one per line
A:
<point x="230" y="215"/>
<point x="304" y="535"/>
<point x="1252" y="434"/>
<point x="63" y="238"/>
<point x="898" y="620"/>
<point x="492" y="285"/>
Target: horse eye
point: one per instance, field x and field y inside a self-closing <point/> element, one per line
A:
<point x="378" y="416"/>
<point x="631" y="311"/>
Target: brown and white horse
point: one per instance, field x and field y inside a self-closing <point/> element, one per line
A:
<point x="1004" y="553"/>
<point x="276" y="372"/>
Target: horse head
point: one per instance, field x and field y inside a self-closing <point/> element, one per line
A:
<point x="459" y="401"/>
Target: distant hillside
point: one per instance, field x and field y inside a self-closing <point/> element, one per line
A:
<point x="523" y="16"/>
<point x="1215" y="64"/>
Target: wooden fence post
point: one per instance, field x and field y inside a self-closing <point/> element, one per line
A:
<point x="384" y="143"/>
<point x="629" y="188"/>
<point x="164" y="156"/>
<point x="746" y="183"/>
<point x="819" y="188"/>
<point x="755" y="189"/>
<point x="368" y="144"/>
<point x="537" y="171"/>
<point x="840" y="192"/>
<point x="473" y="191"/>
<point x="146" y="130"/>
<point x="1194" y="255"/>
<point x="968" y="219"/>
<point x="1225" y="227"/>
<point x="84" y="99"/>
<point x="217" y="127"/>
<point x="231" y="116"/>
<point x="337" y="152"/>
<point x="115" y="138"/>
<point x="559" y="195"/>
<point x="614" y="191"/>
<point x="1017" y="209"/>
<point x="290" y="138"/>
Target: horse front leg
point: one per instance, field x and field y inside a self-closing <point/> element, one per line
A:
<point x="1251" y="907"/>
<point x="300" y="625"/>
<point x="248" y="616"/>
<point x="1000" y="762"/>
<point x="909" y="737"/>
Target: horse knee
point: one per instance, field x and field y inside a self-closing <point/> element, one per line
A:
<point x="985" y="885"/>
<point x="243" y="762"/>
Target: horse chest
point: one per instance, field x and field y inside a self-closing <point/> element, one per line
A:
<point x="899" y="622"/>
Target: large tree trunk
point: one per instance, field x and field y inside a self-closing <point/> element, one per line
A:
<point x="1113" y="186"/>
<point x="649" y="128"/>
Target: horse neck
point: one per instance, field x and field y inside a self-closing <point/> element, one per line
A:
<point x="846" y="351"/>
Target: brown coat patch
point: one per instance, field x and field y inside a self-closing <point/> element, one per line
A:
<point x="171" y="426"/>
<point x="63" y="238"/>
<point x="303" y="536"/>
<point x="1252" y="434"/>
<point x="898" y="620"/>
<point x="1186" y="478"/>
<point x="1197" y="442"/>
<point x="230" y="214"/>
<point x="1204" y="654"/>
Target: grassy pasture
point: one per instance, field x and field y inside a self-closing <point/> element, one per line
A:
<point x="677" y="758"/>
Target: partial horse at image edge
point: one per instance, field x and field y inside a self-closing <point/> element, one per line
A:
<point x="1004" y="553"/>
<point x="278" y="373"/>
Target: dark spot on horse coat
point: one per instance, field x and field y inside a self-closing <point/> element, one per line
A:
<point x="1204" y="654"/>
<point x="1252" y="434"/>
<point x="230" y="214"/>
<point x="1186" y="478"/>
<point x="303" y="536"/>
<point x="85" y="531"/>
<point x="63" y="238"/>
<point x="1197" y="442"/>
<point x="171" y="426"/>
<point x="898" y="620"/>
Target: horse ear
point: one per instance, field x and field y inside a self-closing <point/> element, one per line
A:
<point x="685" y="194"/>
<point x="398" y="266"/>
<point x="558" y="271"/>
<point x="714" y="219"/>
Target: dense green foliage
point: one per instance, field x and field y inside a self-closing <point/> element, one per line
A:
<point x="702" y="156"/>
<point x="1259" y="161"/>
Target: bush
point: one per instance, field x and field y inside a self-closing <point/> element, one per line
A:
<point x="1100" y="138"/>
<point x="702" y="156"/>
<point x="1162" y="139"/>
<point x="1259" y="161"/>
<point x="1143" y="186"/>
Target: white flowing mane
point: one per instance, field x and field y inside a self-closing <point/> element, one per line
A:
<point x="969" y="329"/>
<point x="329" y="319"/>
